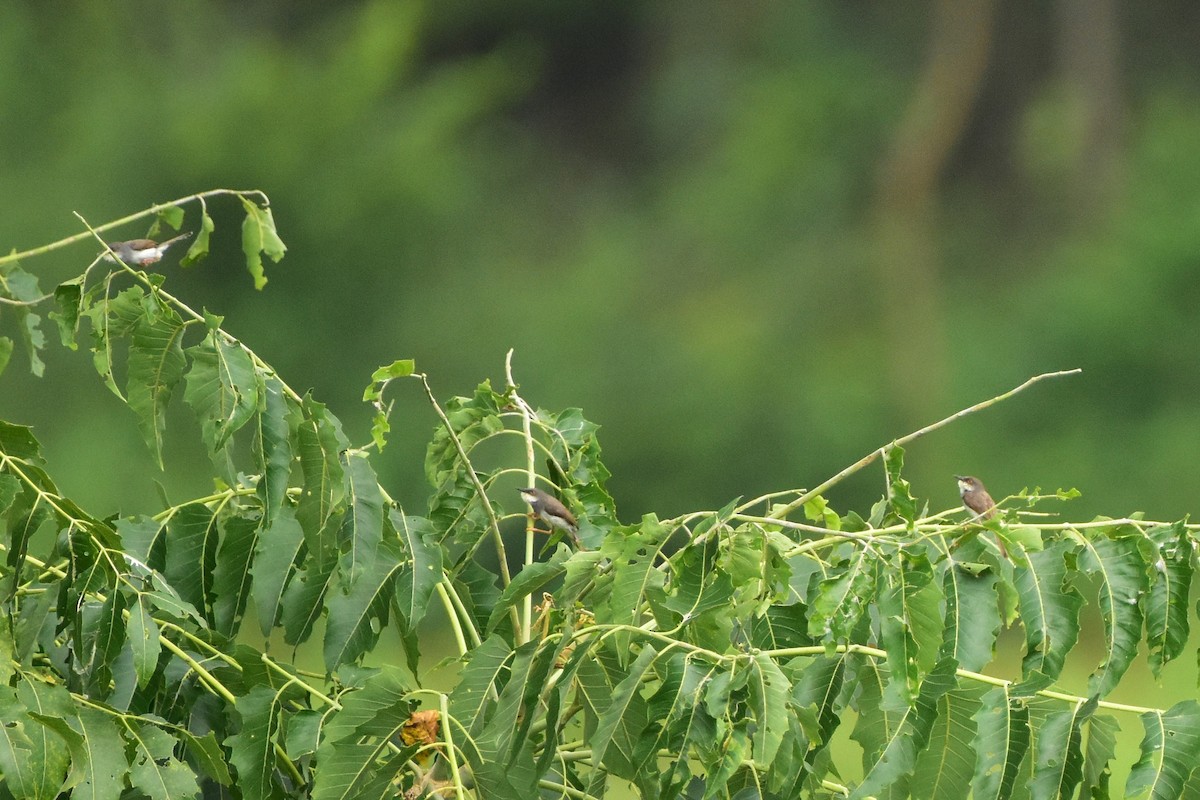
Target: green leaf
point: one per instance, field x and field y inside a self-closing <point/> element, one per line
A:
<point x="633" y="554"/>
<point x="17" y="284"/>
<point x="275" y="553"/>
<point x="258" y="238"/>
<point x="68" y="295"/>
<point x="98" y="764"/>
<point x="529" y="580"/>
<point x="769" y="690"/>
<point x="198" y="250"/>
<point x="900" y="499"/>
<point x="401" y="368"/>
<point x="899" y="749"/>
<point x="359" y="612"/>
<point x="1115" y="558"/>
<point x="365" y="706"/>
<point x="156" y="363"/>
<point x="154" y="769"/>
<point x="612" y="700"/>
<point x="17" y="441"/>
<point x="252" y="748"/>
<point x="839" y="601"/>
<point x="946" y="766"/>
<point x="112" y="318"/>
<point x="303" y="599"/>
<point x="231" y="580"/>
<point x="223" y="389"/>
<point x="419" y="577"/>
<point x="321" y="443"/>
<point x="1101" y="745"/>
<point x="273" y="448"/>
<point x="1058" y="765"/>
<point x="1001" y="741"/>
<point x="6" y="349"/>
<point x="483" y="668"/>
<point x="43" y="755"/>
<point x="972" y="617"/>
<point x="192" y="538"/>
<point x="1168" y="552"/>
<point x="1170" y="751"/>
<point x="143" y="639"/>
<point x="362" y="528"/>
<point x="143" y="538"/>
<point x="910" y="623"/>
<point x="622" y="700"/>
<point x="171" y="216"/>
<point x="1049" y="612"/>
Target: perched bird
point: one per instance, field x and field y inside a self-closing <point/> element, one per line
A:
<point x="549" y="509"/>
<point x="141" y="252"/>
<point x="976" y="498"/>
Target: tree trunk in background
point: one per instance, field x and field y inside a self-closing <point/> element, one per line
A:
<point x="1089" y="60"/>
<point x="905" y="213"/>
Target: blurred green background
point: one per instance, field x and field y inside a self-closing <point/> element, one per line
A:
<point x="753" y="240"/>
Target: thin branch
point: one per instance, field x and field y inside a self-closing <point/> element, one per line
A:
<point x="870" y="457"/>
<point x="151" y="211"/>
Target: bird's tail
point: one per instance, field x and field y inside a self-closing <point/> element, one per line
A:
<point x="173" y="240"/>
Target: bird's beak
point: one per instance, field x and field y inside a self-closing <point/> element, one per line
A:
<point x="960" y="477"/>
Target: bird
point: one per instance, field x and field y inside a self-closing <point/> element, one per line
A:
<point x="550" y="510"/>
<point x="142" y="252"/>
<point x="976" y="498"/>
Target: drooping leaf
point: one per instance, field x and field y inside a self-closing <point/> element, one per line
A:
<point x="143" y="639"/>
<point x="275" y="553"/>
<point x="945" y="768"/>
<point x="910" y="624"/>
<point x="1058" y="764"/>
<point x="156" y="364"/>
<point x="98" y="764"/>
<point x="839" y="601"/>
<point x="1170" y="751"/>
<point x="1115" y="559"/>
<point x="1101" y="745"/>
<point x="1001" y="741"/>
<point x="231" y="583"/>
<point x="260" y="238"/>
<point x="1168" y="552"/>
<point x="273" y="448"/>
<point x="1049" y="612"/>
<point x="223" y="388"/>
<point x="251" y="749"/>
<point x="154" y="768"/>
<point x="362" y="526"/>
<point x="359" y="612"/>
<point x="68" y="296"/>
<point x="898" y="750"/>
<point x="418" y="578"/>
<point x="192" y="539"/>
<point x="769" y="692"/>
<point x="972" y="617"/>
<point x="198" y="250"/>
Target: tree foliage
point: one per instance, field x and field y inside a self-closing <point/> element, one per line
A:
<point x="715" y="654"/>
